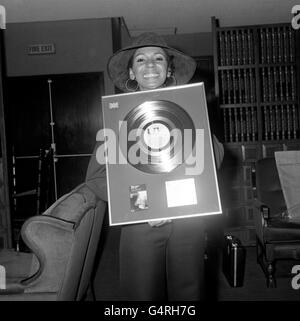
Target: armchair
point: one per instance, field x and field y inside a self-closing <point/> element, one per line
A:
<point x="63" y="241"/>
<point x="278" y="236"/>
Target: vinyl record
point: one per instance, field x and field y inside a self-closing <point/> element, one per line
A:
<point x="155" y="132"/>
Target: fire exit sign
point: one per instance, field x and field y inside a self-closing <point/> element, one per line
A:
<point x="41" y="49"/>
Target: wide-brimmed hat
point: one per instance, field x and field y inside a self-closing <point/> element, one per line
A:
<point x="184" y="65"/>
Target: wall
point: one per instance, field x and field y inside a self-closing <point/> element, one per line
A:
<point x="81" y="46"/>
<point x="196" y="44"/>
<point x="125" y="35"/>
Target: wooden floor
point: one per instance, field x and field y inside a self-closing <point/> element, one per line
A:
<point x="106" y="281"/>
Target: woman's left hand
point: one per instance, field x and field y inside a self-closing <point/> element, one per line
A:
<point x="158" y="223"/>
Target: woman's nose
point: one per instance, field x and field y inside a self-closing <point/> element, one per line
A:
<point x="150" y="62"/>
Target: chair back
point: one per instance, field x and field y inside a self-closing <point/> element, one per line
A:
<point x="89" y="264"/>
<point x="268" y="185"/>
<point x="64" y="240"/>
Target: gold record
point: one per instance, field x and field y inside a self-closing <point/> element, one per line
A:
<point x="155" y="132"/>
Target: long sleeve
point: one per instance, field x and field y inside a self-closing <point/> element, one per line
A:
<point x="96" y="176"/>
<point x="218" y="151"/>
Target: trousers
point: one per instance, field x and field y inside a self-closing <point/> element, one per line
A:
<point x="163" y="263"/>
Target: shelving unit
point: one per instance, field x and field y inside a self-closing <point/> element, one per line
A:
<point x="256" y="79"/>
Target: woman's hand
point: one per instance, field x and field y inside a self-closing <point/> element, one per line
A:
<point x="158" y="223"/>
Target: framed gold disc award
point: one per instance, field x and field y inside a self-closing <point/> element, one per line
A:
<point x="159" y="157"/>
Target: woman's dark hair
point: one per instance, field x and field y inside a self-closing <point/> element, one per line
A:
<point x="171" y="65"/>
<point x="130" y="62"/>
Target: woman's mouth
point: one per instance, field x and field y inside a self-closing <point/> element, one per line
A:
<point x="152" y="75"/>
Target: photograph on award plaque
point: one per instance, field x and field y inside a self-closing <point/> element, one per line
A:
<point x="138" y="198"/>
<point x="159" y="155"/>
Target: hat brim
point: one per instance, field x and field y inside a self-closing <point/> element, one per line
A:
<point x="117" y="66"/>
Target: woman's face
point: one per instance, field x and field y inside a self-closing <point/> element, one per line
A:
<point x="149" y="67"/>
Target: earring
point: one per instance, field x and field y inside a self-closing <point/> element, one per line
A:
<point x="131" y="85"/>
<point x="171" y="81"/>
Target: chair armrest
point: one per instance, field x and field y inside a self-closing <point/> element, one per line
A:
<point x="264" y="211"/>
<point x="261" y="216"/>
<point x="16" y="264"/>
<point x="50" y="239"/>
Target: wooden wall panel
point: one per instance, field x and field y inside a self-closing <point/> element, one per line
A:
<point x="75" y="103"/>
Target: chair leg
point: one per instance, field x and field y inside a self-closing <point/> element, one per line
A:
<point x="271" y="281"/>
<point x="93" y="293"/>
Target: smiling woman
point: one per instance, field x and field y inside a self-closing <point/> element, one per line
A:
<point x="161" y="259"/>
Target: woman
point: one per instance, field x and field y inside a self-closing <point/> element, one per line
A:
<point x="161" y="260"/>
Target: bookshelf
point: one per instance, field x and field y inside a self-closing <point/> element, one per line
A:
<point x="256" y="79"/>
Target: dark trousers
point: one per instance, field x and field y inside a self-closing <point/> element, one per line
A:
<point x="163" y="263"/>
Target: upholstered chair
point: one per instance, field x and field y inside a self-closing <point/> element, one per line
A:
<point x="63" y="243"/>
<point x="278" y="236"/>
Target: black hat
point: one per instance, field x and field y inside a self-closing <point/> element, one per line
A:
<point x="184" y="65"/>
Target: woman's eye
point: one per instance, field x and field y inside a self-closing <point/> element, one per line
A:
<point x="160" y="58"/>
<point x="140" y="59"/>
